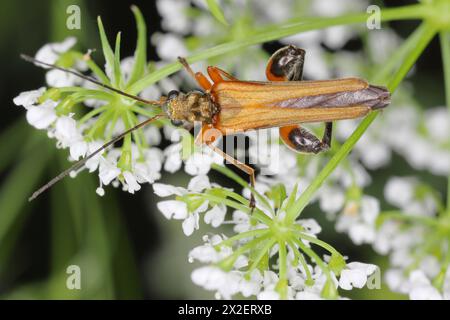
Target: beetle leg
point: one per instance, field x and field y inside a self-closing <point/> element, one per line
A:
<point x="219" y="75"/>
<point x="204" y="138"/>
<point x="301" y="140"/>
<point x="199" y="77"/>
<point x="286" y="64"/>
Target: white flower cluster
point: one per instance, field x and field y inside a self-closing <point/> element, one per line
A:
<point x="302" y="285"/>
<point x="230" y="268"/>
<point x="417" y="247"/>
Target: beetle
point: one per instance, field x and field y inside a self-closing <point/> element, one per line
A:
<point x="230" y="106"/>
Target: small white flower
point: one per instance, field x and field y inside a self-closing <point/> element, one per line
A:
<point x="169" y="46"/>
<point x="216" y="215"/>
<point x="358" y="219"/>
<point x="108" y="171"/>
<point x="165" y="190"/>
<point x="399" y="191"/>
<point x="173" y="158"/>
<point x="200" y="163"/>
<point x="27" y="99"/>
<point x="93" y="163"/>
<point x="43" y="115"/>
<point x="173" y="209"/>
<point x="331" y="199"/>
<point x="213" y="278"/>
<point x="355" y="275"/>
<point x="131" y="184"/>
<point x="51" y="51"/>
<point x="190" y="224"/>
<point x="421" y="288"/>
<point x="66" y="131"/>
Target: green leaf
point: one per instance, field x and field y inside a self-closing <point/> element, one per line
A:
<point x="277" y="193"/>
<point x="11" y="137"/>
<point x="18" y="187"/>
<point x="117" y="72"/>
<point x="107" y="51"/>
<point x="140" y="55"/>
<point x="216" y="11"/>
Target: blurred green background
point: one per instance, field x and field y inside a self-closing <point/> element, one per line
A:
<point x="123" y="245"/>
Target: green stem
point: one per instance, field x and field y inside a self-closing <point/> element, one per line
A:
<point x="445" y="49"/>
<point x="91" y="114"/>
<point x="426" y="34"/>
<point x="264" y="250"/>
<point x="314" y="257"/>
<point x="257" y="214"/>
<point x="228" y="262"/>
<point x="243" y="235"/>
<point x="318" y="242"/>
<point x="278" y="31"/>
<point x="399" y="215"/>
<point x="230" y="174"/>
<point x="302" y="260"/>
<point x="282" y="264"/>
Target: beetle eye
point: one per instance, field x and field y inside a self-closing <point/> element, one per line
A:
<point x="177" y="123"/>
<point x="172" y="94"/>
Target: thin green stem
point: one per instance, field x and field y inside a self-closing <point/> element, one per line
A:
<point x="263" y="251"/>
<point x="445" y="49"/>
<point x="314" y="257"/>
<point x="282" y="263"/>
<point x="242" y="235"/>
<point x="426" y="34"/>
<point x="230" y="174"/>
<point x="257" y="214"/>
<point x="318" y="242"/>
<point x="302" y="260"/>
<point x="91" y="114"/>
<point x="399" y="215"/>
<point x="229" y="261"/>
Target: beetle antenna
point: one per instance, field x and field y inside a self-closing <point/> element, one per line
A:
<point x="90" y="79"/>
<point x="81" y="162"/>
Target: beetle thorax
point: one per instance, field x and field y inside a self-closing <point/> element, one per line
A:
<point x="191" y="107"/>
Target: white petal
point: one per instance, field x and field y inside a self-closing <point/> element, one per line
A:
<point x="311" y="226"/>
<point x="199" y="183"/>
<point x="352" y="278"/>
<point x="78" y="149"/>
<point x="198" y="164"/>
<point x="29" y="98"/>
<point x="331" y="199"/>
<point x="425" y="292"/>
<point x="131" y="182"/>
<point x="367" y="268"/>
<point x="66" y="131"/>
<point x="50" y="52"/>
<point x="370" y="207"/>
<point x="173" y="209"/>
<point x="216" y="215"/>
<point x="190" y="224"/>
<point x="165" y="190"/>
<point x="107" y="171"/>
<point x="43" y="115"/>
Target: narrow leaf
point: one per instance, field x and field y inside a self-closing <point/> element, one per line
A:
<point x="117" y="71"/>
<point x="107" y="51"/>
<point x="140" y="55"/>
<point x="216" y="11"/>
